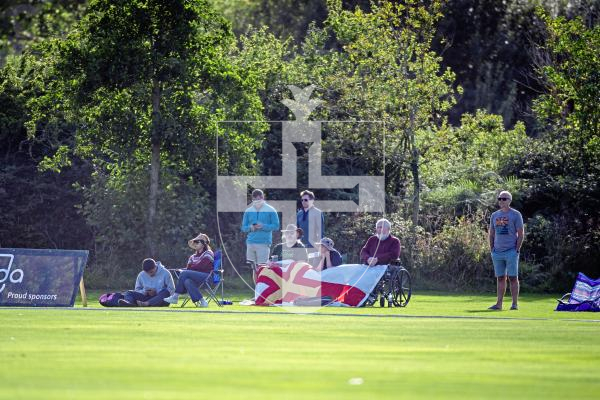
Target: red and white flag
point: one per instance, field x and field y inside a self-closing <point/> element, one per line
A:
<point x="346" y="285"/>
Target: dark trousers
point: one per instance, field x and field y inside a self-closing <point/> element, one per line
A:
<point x="153" y="301"/>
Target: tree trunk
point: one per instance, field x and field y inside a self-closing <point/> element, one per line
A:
<point x="414" y="166"/>
<point x="154" y="167"/>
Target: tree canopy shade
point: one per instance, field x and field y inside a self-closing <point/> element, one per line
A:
<point x="144" y="82"/>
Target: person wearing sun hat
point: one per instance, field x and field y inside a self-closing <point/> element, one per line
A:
<point x="291" y="248"/>
<point x="506" y="234"/>
<point x="198" y="268"/>
<point x="330" y="257"/>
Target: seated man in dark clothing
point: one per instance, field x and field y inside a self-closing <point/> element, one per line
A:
<point x="152" y="286"/>
<point x="381" y="248"/>
<point x="292" y="248"/>
<point x="330" y="257"/>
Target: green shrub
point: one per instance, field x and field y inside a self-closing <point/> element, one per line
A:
<point x="560" y="247"/>
<point x="455" y="258"/>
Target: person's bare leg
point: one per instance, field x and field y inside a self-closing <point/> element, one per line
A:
<point x="514" y="290"/>
<point x="501" y="290"/>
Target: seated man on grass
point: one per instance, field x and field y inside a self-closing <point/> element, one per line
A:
<point x="153" y="284"/>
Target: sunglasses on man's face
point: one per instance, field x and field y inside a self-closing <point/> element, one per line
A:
<point x="199" y="241"/>
<point x="502" y="199"/>
<point x="305" y="199"/>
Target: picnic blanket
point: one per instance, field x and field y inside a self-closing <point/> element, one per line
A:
<point x="286" y="282"/>
<point x="585" y="295"/>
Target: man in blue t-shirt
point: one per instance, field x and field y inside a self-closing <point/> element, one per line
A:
<point x="506" y="236"/>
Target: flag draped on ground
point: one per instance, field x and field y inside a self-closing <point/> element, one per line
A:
<point x="346" y="285"/>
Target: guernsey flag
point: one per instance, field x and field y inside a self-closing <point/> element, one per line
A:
<point x="347" y="285"/>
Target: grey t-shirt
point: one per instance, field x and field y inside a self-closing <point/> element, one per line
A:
<point x="505" y="224"/>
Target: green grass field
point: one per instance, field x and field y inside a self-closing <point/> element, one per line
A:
<point x="268" y="353"/>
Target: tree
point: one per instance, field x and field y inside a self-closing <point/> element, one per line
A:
<point x="374" y="66"/>
<point x="387" y="72"/>
<point x="144" y="82"/>
<point x="568" y="66"/>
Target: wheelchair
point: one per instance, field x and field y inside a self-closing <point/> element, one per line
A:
<point x="394" y="287"/>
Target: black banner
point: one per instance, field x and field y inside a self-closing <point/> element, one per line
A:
<point x="40" y="278"/>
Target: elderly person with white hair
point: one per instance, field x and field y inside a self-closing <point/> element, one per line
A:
<point x="381" y="248"/>
<point x="506" y="235"/>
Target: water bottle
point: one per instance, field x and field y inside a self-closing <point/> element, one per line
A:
<point x="390" y="300"/>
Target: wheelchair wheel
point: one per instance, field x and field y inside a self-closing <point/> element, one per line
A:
<point x="400" y="288"/>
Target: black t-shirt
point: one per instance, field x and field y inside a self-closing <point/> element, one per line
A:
<point x="336" y="259"/>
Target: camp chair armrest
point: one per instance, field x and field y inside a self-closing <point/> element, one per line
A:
<point x="562" y="299"/>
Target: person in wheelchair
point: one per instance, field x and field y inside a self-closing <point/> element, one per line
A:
<point x="330" y="257"/>
<point x="199" y="266"/>
<point x="381" y="248"/>
<point x="291" y="248"/>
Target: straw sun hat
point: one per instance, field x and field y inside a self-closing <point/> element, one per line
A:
<point x="201" y="238"/>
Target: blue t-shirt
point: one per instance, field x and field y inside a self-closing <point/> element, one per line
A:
<point x="505" y="225"/>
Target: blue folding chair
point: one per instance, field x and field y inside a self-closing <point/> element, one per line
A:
<point x="213" y="283"/>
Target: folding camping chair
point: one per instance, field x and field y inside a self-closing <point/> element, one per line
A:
<point x="212" y="284"/>
<point x="585" y="295"/>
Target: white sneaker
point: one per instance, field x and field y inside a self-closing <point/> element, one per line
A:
<point x="201" y="303"/>
<point x="172" y="299"/>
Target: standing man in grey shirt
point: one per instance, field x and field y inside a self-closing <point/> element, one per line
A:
<point x="506" y="236"/>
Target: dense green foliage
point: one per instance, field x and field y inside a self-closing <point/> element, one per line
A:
<point x="111" y="120"/>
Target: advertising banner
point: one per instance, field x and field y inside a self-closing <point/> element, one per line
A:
<point x="40" y="278"/>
